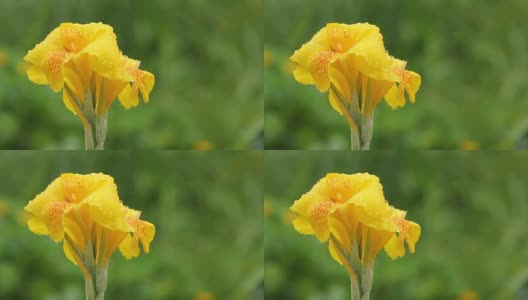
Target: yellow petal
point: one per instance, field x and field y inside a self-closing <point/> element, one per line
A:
<point x="319" y="219"/>
<point x="74" y="82"/>
<point x="74" y="36"/>
<point x="334" y="101"/>
<point x="53" y="42"/>
<point x="37" y="226"/>
<point x="104" y="56"/>
<point x="128" y="97"/>
<point x="76" y="234"/>
<point x="146" y="85"/>
<point x="106" y="209"/>
<point x="97" y="200"/>
<point x="377" y="240"/>
<point x="409" y="82"/>
<point x="112" y="89"/>
<point x="68" y="101"/>
<point x="52" y="193"/>
<point x="143" y="232"/>
<point x="305" y="54"/>
<point x="52" y="68"/>
<point x="302" y="75"/>
<point x="319" y="69"/>
<point x="81" y="65"/>
<point x="409" y="232"/>
<point x="368" y="54"/>
<point x="109" y="241"/>
<point x="337" y="255"/>
<point x="312" y="61"/>
<point x="69" y="253"/>
<point x="129" y="248"/>
<point x="302" y="225"/>
<point x="36" y="75"/>
<point x="53" y="219"/>
<point x="143" y="82"/>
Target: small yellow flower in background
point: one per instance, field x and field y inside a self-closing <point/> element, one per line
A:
<point x="3" y="208"/>
<point x="3" y="58"/>
<point x="469" y="145"/>
<point x="288" y="67"/>
<point x="85" y="213"/>
<point x="268" y="57"/>
<point x="22" y="218"/>
<point x="287" y="217"/>
<point x="204" y="295"/>
<point x="351" y="213"/>
<point x="351" y="63"/>
<point x="22" y="67"/>
<point x="83" y="62"/>
<point x="468" y="295"/>
<point x="203" y="145"/>
<point x="268" y="208"/>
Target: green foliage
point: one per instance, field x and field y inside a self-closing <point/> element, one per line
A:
<point x="206" y="56"/>
<point x="207" y="209"/>
<point x="472" y="56"/>
<point x="472" y="208"/>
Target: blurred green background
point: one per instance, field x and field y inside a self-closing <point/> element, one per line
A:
<point x="206" y="56"/>
<point x="207" y="209"/>
<point x="472" y="208"/>
<point x="472" y="56"/>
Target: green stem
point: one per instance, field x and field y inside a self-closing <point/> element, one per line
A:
<point x="88" y="288"/>
<point x="88" y="138"/>
<point x="367" y="126"/>
<point x="100" y="130"/>
<point x="99" y="274"/>
<point x="355" y="141"/>
<point x="101" y="279"/>
<point x="361" y="136"/>
<point x="367" y="276"/>
<point x="355" y="293"/>
<point x="362" y="276"/>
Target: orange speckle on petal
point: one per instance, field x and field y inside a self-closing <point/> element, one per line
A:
<point x="137" y="76"/>
<point x="339" y="38"/>
<point x="74" y="39"/>
<point x="54" y="214"/>
<point x="74" y="187"/>
<point x="319" y="65"/>
<point x="53" y="64"/>
<point x="319" y="215"/>
<point x="137" y="225"/>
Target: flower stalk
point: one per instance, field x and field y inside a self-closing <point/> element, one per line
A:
<point x="361" y="124"/>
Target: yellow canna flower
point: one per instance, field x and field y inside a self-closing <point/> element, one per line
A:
<point x="351" y="63"/>
<point x="84" y="211"/>
<point x="351" y="213"/>
<point x="84" y="62"/>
